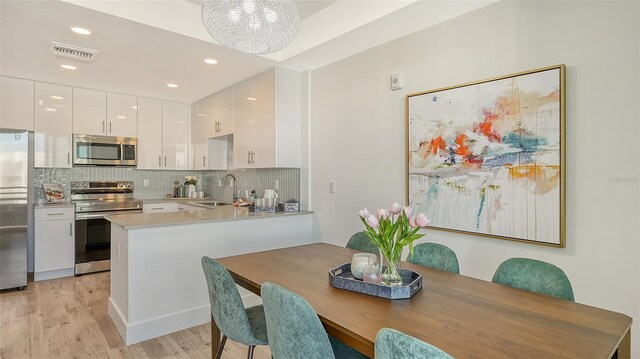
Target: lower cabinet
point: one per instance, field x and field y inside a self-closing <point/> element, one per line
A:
<point x="54" y="248"/>
<point x="160" y="207"/>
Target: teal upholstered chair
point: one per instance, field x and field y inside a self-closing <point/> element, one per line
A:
<point x="246" y="326"/>
<point x="434" y="255"/>
<point x="392" y="344"/>
<point x="534" y="276"/>
<point x="362" y="243"/>
<point x="294" y="329"/>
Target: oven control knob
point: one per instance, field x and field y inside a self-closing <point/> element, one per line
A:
<point x="76" y="185"/>
<point x="128" y="185"/>
<point x="85" y="185"/>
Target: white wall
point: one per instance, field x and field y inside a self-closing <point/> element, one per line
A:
<point x="358" y="129"/>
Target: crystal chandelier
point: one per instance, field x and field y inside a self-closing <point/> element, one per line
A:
<point x="251" y="26"/>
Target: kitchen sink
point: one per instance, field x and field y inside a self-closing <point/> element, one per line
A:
<point x="214" y="204"/>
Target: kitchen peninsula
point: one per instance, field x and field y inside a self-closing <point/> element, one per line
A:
<point x="157" y="284"/>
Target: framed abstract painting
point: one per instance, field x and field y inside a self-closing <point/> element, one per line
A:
<point x="487" y="158"/>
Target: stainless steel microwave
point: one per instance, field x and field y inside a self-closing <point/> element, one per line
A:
<point x="104" y="150"/>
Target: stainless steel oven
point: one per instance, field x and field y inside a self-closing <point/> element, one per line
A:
<point x="104" y="150"/>
<point x="94" y="201"/>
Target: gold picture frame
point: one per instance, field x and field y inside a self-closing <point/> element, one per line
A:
<point x="498" y="144"/>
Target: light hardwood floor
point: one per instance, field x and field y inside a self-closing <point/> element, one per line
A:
<point x="67" y="318"/>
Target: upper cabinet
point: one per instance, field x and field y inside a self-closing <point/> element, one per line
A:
<point x="106" y="114"/>
<point x="52" y="127"/>
<point x="16" y="104"/>
<point x="267" y="120"/>
<point x="176" y="135"/>
<point x="149" y="134"/>
<point x="212" y="118"/>
<point x="164" y="136"/>
<point x="89" y="112"/>
<point x="122" y="115"/>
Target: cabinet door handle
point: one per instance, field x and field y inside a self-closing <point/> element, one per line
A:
<point x="248" y="157"/>
<point x="103" y="128"/>
<point x="71" y="229"/>
<point x="68" y="158"/>
<point x="165" y="161"/>
<point x="55" y="214"/>
<point x="203" y="161"/>
<point x="159" y="161"/>
<point x="155" y="208"/>
<point x="253" y="157"/>
<point x="110" y="126"/>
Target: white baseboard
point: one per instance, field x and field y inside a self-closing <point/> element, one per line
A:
<point x="137" y="332"/>
<point x="67" y="272"/>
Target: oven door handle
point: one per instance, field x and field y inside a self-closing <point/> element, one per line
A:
<point x="84" y="216"/>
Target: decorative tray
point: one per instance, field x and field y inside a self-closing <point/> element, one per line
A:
<point x="342" y="278"/>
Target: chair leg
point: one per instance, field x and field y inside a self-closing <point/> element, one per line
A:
<point x="221" y="347"/>
<point x="250" y="353"/>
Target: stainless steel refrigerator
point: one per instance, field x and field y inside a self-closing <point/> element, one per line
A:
<point x="15" y="189"/>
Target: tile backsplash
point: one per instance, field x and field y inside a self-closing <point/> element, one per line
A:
<point x="161" y="182"/>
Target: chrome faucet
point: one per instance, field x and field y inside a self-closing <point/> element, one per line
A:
<point x="233" y="183"/>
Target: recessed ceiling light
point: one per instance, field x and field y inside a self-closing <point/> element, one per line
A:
<point x="121" y="117"/>
<point x="80" y="30"/>
<point x="57" y="97"/>
<point x="68" y="67"/>
<point x="51" y="109"/>
<point x="201" y="115"/>
<point x="211" y="61"/>
<point x="134" y="107"/>
<point x="172" y="85"/>
<point x="180" y="122"/>
<point x="251" y="98"/>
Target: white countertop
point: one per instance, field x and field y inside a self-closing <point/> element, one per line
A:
<point x="53" y="205"/>
<point x="226" y="213"/>
<point x="177" y="199"/>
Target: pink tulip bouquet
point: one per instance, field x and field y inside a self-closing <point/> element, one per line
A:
<point x="391" y="230"/>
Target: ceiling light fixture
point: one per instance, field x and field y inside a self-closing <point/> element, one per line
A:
<point x="51" y="109"/>
<point x="251" y="98"/>
<point x="134" y="107"/>
<point x="211" y="61"/>
<point x="68" y="67"/>
<point x="80" y="30"/>
<point x="57" y="97"/>
<point x="172" y="85"/>
<point x="121" y="117"/>
<point x="201" y="115"/>
<point x="251" y="26"/>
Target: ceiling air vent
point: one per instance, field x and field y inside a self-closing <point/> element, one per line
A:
<point x="72" y="52"/>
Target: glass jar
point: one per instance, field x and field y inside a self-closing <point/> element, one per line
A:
<point x="372" y="273"/>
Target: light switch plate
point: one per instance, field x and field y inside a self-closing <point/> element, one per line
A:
<point x="145" y="182"/>
<point x="332" y="186"/>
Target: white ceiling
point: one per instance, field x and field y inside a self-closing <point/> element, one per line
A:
<point x="145" y="44"/>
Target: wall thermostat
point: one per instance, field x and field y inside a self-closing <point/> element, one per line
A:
<point x="397" y="81"/>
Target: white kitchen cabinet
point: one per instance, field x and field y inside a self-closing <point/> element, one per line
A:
<point x="223" y="112"/>
<point x="122" y="115"/>
<point x="176" y="135"/>
<point x="266" y="126"/>
<point x="16" y="103"/>
<point x="160" y="207"/>
<point x="52" y="126"/>
<point x="89" y="112"/>
<point x="54" y="245"/>
<point x="213" y="118"/>
<point x="204" y="127"/>
<point x="149" y="134"/>
<point x="164" y="135"/>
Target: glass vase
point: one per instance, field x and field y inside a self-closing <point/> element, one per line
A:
<point x="390" y="270"/>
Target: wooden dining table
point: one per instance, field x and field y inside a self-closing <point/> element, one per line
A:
<point x="464" y="316"/>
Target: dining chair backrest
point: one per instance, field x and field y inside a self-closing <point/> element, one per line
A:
<point x="535" y="276"/>
<point x="226" y="304"/>
<point x="392" y="344"/>
<point x="360" y="242"/>
<point x="434" y="255"/>
<point x="293" y="327"/>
